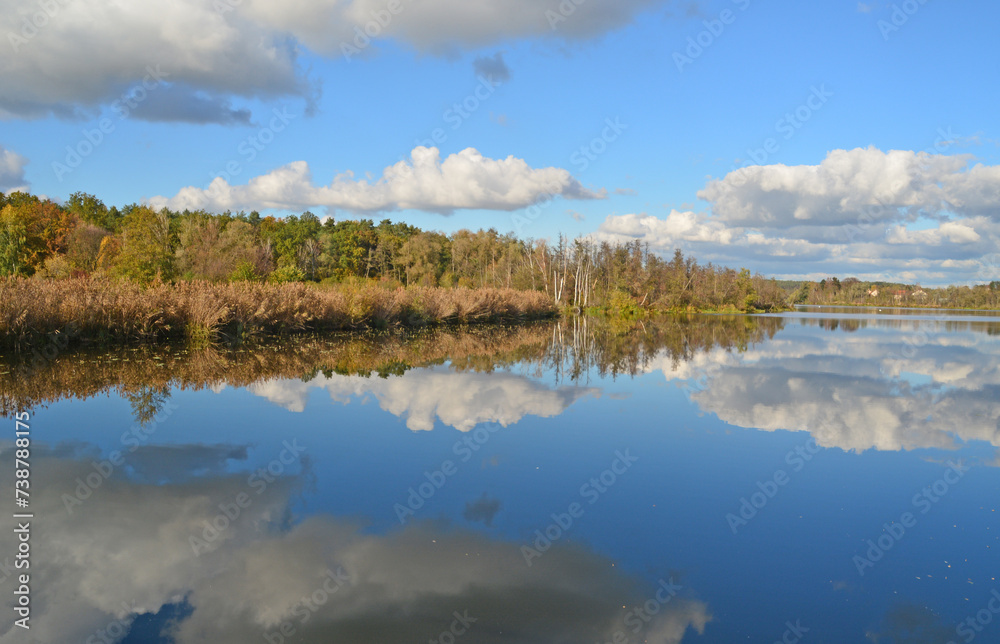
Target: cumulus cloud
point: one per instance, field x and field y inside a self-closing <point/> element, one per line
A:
<point x="247" y="49"/>
<point x="443" y="26"/>
<point x="128" y="552"/>
<point x="421" y="396"/>
<point x="897" y="216"/>
<point x="464" y="180"/>
<point x="852" y="186"/>
<point x="12" y="171"/>
<point x="189" y="42"/>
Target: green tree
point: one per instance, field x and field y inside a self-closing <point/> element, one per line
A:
<point x="14" y="254"/>
<point x="146" y="250"/>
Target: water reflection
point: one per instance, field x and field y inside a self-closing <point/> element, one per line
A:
<point x="242" y="571"/>
<point x="164" y="547"/>
<point x="571" y="350"/>
<point x="894" y="382"/>
<point x="459" y="400"/>
<point x="930" y="387"/>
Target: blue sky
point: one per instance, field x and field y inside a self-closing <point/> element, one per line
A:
<point x="633" y="113"/>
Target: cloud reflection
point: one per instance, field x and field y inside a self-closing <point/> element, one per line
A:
<point x="127" y="550"/>
<point x="459" y="399"/>
<point x="924" y="388"/>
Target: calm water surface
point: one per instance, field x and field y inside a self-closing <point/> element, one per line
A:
<point x="826" y="475"/>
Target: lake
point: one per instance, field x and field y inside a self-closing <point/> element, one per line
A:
<point x="824" y="475"/>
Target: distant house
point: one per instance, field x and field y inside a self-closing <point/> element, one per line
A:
<point x="919" y="292"/>
<point x="873" y="292"/>
<point x="900" y="294"/>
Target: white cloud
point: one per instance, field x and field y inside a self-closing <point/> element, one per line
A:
<point x="951" y="231"/>
<point x="897" y="215"/>
<point x="442" y="26"/>
<point x="12" y="171"/>
<point x="850" y="184"/>
<point x="662" y="233"/>
<point x="191" y="42"/>
<point x="218" y="49"/>
<point x="464" y="180"/>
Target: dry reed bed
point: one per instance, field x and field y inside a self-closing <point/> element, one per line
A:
<point x="120" y="310"/>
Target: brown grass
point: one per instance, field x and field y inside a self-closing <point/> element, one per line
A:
<point x="105" y="310"/>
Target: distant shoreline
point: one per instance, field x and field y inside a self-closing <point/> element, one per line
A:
<point x="898" y="308"/>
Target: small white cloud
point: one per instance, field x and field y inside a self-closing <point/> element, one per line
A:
<point x="948" y="231"/>
<point x="464" y="180"/>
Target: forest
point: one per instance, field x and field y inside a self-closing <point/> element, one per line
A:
<point x="86" y="239"/>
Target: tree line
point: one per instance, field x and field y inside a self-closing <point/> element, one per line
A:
<point x="84" y="237"/>
<point x="852" y="291"/>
